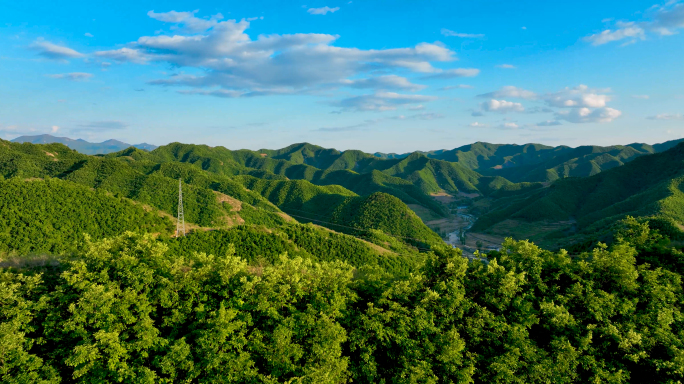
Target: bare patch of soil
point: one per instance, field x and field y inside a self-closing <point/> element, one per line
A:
<point x="443" y="197"/>
<point x="235" y="204"/>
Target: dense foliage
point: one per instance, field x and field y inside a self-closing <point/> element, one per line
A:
<point x="258" y="245"/>
<point x="134" y="309"/>
<point x="386" y="213"/>
<point x="51" y="216"/>
<point x="273" y="301"/>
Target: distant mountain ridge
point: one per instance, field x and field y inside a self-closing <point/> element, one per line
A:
<point x="83" y="146"/>
<point x="649" y="186"/>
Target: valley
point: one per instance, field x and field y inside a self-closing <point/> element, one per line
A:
<point x="315" y="249"/>
<point x="342" y="192"/>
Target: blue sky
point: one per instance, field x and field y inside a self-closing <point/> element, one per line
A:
<point x="389" y="75"/>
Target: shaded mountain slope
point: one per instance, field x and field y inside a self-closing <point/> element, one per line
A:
<point x="578" y="162"/>
<point x="647" y="186"/>
<point x="539" y="163"/>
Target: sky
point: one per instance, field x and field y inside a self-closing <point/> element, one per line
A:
<point x="374" y="75"/>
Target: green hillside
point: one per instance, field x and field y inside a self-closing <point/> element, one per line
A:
<point x="386" y="213"/>
<point x="152" y="184"/>
<point x="579" y="162"/>
<point x="261" y="246"/>
<point x="254" y="297"/>
<point x="410" y="179"/>
<point x="222" y="161"/>
<point x="51" y="216"/>
<point x="212" y="198"/>
<point x="647" y="186"/>
<point x="344" y="211"/>
<point x="539" y="163"/>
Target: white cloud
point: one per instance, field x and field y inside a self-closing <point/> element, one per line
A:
<point x="419" y="107"/>
<point x="386" y="82"/>
<point x="579" y="104"/>
<point x="54" y="129"/>
<point x="625" y="31"/>
<point x="381" y="101"/>
<point x="88" y="34"/>
<point x="510" y="92"/>
<point x="74" y="76"/>
<point x="586" y="115"/>
<point x="54" y="51"/>
<point x="667" y="116"/>
<point x="506" y="66"/>
<point x="126" y="54"/>
<point x="323" y="10"/>
<point x="450" y="33"/>
<point x="549" y="123"/>
<point x="539" y="109"/>
<point x="663" y="20"/>
<point x="669" y="18"/>
<point x="579" y="97"/>
<point x="190" y="23"/>
<point x="508" y="125"/>
<point x="453" y="73"/>
<point x="502" y="106"/>
<point x="478" y="125"/>
<point x="459" y="86"/>
<point x="643" y="97"/>
<point x="226" y="58"/>
<point x="420" y="116"/>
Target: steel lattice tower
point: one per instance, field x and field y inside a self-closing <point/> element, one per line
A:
<point x="180" y="223"/>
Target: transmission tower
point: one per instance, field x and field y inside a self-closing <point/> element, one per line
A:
<point x="180" y="223"/>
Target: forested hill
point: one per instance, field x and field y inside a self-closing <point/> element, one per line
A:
<point x="411" y="179"/>
<point x="135" y="309"/>
<point x="650" y="186"/>
<point x="517" y="163"/>
<point x="252" y="296"/>
<point x="83" y="146"/>
<point x="476" y="168"/>
<point x="53" y="215"/>
<point x="540" y="163"/>
<point x="214" y="200"/>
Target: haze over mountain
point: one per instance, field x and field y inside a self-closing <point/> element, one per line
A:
<point x="83" y="146"/>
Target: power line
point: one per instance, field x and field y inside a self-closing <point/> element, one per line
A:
<point x="180" y="223"/>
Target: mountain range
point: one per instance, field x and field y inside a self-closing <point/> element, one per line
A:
<point x="83" y="146"/>
<point x="579" y="191"/>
